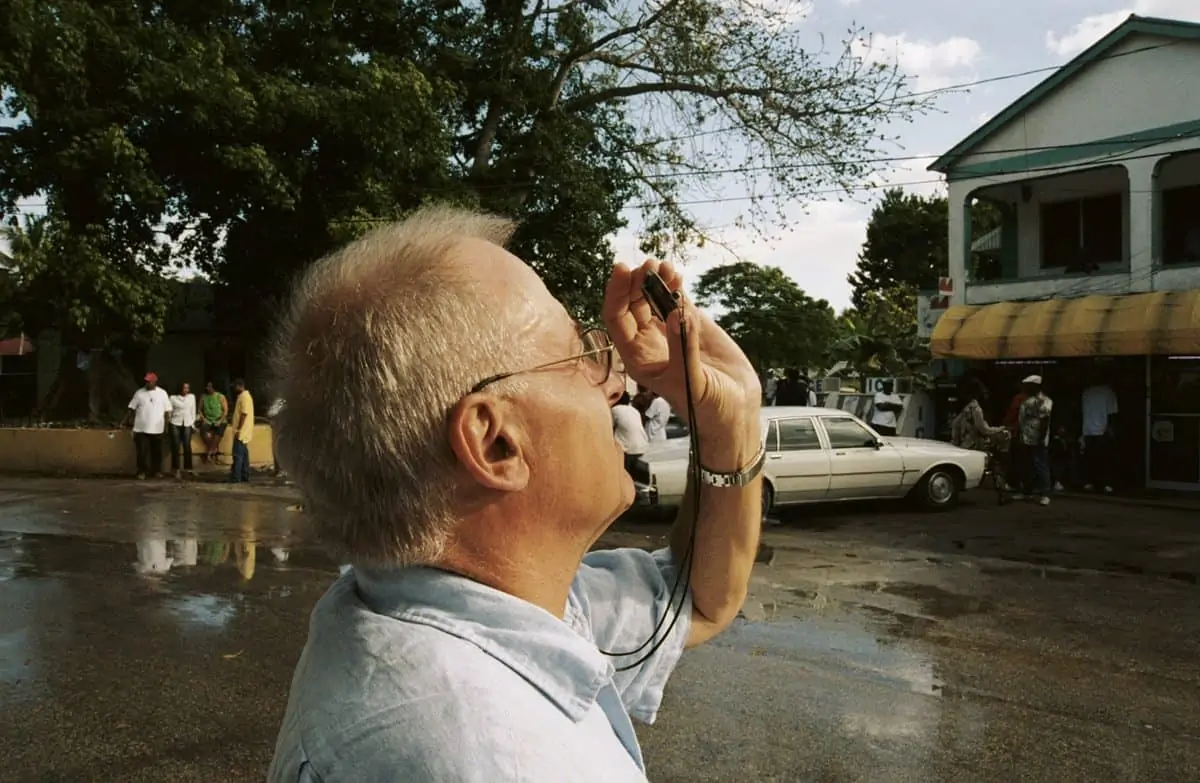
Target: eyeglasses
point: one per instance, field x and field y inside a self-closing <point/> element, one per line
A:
<point x="596" y="360"/>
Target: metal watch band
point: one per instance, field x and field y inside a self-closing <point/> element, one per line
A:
<point x="738" y="479"/>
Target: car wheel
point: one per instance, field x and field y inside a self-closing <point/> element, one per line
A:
<point x="938" y="489"/>
<point x="768" y="500"/>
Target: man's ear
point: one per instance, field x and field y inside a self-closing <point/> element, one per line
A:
<point x="490" y="442"/>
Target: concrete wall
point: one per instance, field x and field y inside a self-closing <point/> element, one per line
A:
<point x="1113" y="96"/>
<point x="98" y="452"/>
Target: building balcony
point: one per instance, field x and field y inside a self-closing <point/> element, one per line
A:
<point x="1091" y="231"/>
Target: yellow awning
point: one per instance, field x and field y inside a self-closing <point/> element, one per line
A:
<point x="1163" y="322"/>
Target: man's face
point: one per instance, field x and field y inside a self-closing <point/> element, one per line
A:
<point x="887" y="387"/>
<point x="185" y="390"/>
<point x="208" y="388"/>
<point x="576" y="466"/>
<point x="239" y="387"/>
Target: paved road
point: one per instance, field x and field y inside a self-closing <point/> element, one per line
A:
<point x="993" y="644"/>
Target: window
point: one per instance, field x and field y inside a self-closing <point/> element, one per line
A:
<point x="1181" y="225"/>
<point x="1083" y="233"/>
<point x="798" y="435"/>
<point x="847" y="434"/>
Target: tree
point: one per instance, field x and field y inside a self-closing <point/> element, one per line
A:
<point x="907" y="243"/>
<point x="258" y="137"/>
<point x="770" y="317"/>
<point x="879" y="337"/>
<point x="96" y="302"/>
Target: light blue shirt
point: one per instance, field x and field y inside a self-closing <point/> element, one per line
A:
<point x="422" y="675"/>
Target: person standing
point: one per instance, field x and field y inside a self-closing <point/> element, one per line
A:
<point x="658" y="413"/>
<point x="795" y="389"/>
<point x="214" y="416"/>
<point x="888" y="406"/>
<point x="478" y="635"/>
<point x="970" y="429"/>
<point x="1099" y="410"/>
<point x="149" y="409"/>
<point x="628" y="431"/>
<point x="243" y="431"/>
<point x="1035" y="438"/>
<point x="183" y="420"/>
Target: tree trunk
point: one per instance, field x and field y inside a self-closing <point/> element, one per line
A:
<point x="69" y="396"/>
<point x="98" y="394"/>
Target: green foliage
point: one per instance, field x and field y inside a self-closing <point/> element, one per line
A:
<point x="879" y="337"/>
<point x="770" y="317"/>
<point x="907" y="243"/>
<point x="258" y="137"/>
<point x="80" y="285"/>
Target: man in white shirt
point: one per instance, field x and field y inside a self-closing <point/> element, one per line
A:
<point x="658" y="413"/>
<point x="628" y="430"/>
<point x="183" y="420"/>
<point x="1099" y="409"/>
<point x="887" y="410"/>
<point x="149" y="409"/>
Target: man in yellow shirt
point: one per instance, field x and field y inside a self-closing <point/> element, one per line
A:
<point x="243" y="431"/>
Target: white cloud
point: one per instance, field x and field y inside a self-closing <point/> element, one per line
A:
<point x="1092" y="28"/>
<point x="934" y="64"/>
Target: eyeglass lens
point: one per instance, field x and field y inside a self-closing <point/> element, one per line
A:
<point x="598" y="349"/>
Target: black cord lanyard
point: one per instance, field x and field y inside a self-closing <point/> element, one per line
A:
<point x="683" y="575"/>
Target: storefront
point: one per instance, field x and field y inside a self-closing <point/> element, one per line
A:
<point x="1146" y="347"/>
<point x="1173" y="445"/>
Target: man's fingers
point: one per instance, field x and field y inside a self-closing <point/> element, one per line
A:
<point x="615" y="310"/>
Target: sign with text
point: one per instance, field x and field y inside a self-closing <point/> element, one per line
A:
<point x="875" y="385"/>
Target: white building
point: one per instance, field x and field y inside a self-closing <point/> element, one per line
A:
<point x="1095" y="265"/>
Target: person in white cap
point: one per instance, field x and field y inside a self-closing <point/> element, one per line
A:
<point x="1035" y="437"/>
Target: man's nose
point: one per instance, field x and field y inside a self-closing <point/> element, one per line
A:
<point x="615" y="386"/>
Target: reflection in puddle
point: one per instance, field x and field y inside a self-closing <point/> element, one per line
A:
<point x="843" y="643"/>
<point x="203" y="610"/>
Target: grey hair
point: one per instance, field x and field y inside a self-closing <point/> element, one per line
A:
<point x="382" y="338"/>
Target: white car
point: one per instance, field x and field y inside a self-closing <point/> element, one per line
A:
<point x="822" y="455"/>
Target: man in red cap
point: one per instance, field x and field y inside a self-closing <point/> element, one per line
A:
<point x="149" y="408"/>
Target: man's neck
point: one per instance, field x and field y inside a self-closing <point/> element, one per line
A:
<point x="539" y="572"/>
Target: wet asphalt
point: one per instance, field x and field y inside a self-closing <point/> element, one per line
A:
<point x="148" y="633"/>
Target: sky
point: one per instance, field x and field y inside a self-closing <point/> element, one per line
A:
<point x="937" y="43"/>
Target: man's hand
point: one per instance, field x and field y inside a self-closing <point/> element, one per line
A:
<point x="726" y="392"/>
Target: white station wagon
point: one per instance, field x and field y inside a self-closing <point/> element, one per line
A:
<point x="822" y="455"/>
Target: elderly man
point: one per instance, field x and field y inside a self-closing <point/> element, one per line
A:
<point x="475" y="637"/>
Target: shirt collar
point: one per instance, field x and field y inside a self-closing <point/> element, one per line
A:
<point x="555" y="656"/>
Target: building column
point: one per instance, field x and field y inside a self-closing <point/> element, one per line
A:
<point x="959" y="237"/>
<point x="1142" y="175"/>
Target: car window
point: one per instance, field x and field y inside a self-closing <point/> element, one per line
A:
<point x="845" y="433"/>
<point x="772" y="442"/>
<point x="798" y="435"/>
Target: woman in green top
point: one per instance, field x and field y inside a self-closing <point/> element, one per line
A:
<point x="214" y="415"/>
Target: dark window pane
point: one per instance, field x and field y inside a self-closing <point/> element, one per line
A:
<point x="847" y="434"/>
<point x="798" y="435"/>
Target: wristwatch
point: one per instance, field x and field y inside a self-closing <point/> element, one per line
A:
<point x="739" y="479"/>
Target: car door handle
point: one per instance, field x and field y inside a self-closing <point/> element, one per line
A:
<point x="774" y="456"/>
<point x="839" y="453"/>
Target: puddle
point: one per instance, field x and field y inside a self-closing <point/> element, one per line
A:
<point x="938" y="602"/>
<point x="840" y="643"/>
<point x="934" y="601"/>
